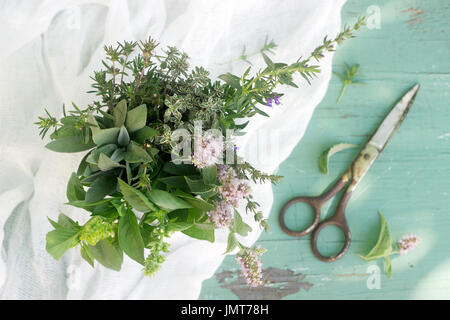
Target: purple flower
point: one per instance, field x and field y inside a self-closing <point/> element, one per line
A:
<point x="222" y="215"/>
<point x="269" y="102"/>
<point x="408" y="243"/>
<point x="235" y="148"/>
<point x="251" y="265"/>
<point x="277" y="100"/>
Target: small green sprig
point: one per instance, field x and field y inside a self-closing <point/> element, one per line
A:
<point x="45" y="123"/>
<point x="348" y="78"/>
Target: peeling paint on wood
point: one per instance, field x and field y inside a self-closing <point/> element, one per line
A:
<point x="279" y="283"/>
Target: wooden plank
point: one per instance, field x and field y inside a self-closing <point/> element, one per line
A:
<point x="409" y="183"/>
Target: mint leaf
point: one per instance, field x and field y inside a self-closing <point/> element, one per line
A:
<point x="130" y="239"/>
<point x="325" y="156"/>
<point x="136" y="198"/>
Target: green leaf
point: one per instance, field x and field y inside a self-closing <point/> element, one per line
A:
<point x="179" y="169"/>
<point x="136" y="154"/>
<point x="144" y="134"/>
<point x="178" y="226"/>
<point x="383" y="247"/>
<point x="130" y="239"/>
<point x="87" y="255"/>
<point x="124" y="137"/>
<point x="388" y="266"/>
<point x="325" y="156"/>
<point x="268" y="61"/>
<point x="69" y="144"/>
<point x="60" y="240"/>
<point x="100" y="188"/>
<point x="166" y="200"/>
<point x="75" y="189"/>
<point x="232" y="242"/>
<point x="105" y="136"/>
<point x="136" y="118"/>
<point x="83" y="165"/>
<point x="120" y="113"/>
<point x="136" y="198"/>
<point x="209" y="174"/>
<point x="231" y="80"/>
<point x="240" y="226"/>
<point x="198" y="186"/>
<point x="105" y="163"/>
<point x="259" y="111"/>
<point x="194" y="201"/>
<point x="197" y="232"/>
<point x="107" y="254"/>
<point x="175" y="181"/>
<point x="84" y="205"/>
<point x="106" y="210"/>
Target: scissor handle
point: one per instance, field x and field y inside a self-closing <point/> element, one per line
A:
<point x="315" y="203"/>
<point x="338" y="220"/>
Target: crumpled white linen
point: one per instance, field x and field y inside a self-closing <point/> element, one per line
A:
<point x="49" y="50"/>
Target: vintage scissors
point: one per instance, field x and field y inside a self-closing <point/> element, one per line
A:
<point x="351" y="177"/>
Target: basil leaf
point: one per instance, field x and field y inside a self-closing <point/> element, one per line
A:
<point x="175" y="181"/>
<point x="166" y="200"/>
<point x="106" y="210"/>
<point x="87" y="255"/>
<point x="194" y="201"/>
<point x="324" y="157"/>
<point x="179" y="169"/>
<point x="130" y="239"/>
<point x="136" y="198"/>
<point x="201" y="234"/>
<point x="100" y="188"/>
<point x="198" y="186"/>
<point x="120" y="113"/>
<point x="60" y="240"/>
<point x="69" y="145"/>
<point x="75" y="189"/>
<point x="178" y="226"/>
<point x="107" y="254"/>
<point x="209" y="175"/>
<point x="136" y="118"/>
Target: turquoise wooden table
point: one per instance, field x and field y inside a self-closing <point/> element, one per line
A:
<point x="409" y="183"/>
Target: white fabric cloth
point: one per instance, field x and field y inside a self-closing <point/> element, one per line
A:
<point x="48" y="51"/>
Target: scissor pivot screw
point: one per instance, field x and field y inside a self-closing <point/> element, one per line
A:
<point x="366" y="156"/>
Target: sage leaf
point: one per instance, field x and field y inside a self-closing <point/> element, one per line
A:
<point x="100" y="188"/>
<point x="107" y="254"/>
<point x="231" y="80"/>
<point x="120" y="113"/>
<point x="105" y="136"/>
<point x="136" y="154"/>
<point x="136" y="118"/>
<point x="325" y="156"/>
<point x="136" y="198"/>
<point x="105" y="163"/>
<point x="69" y="144"/>
<point x="166" y="200"/>
<point x="130" y="239"/>
<point x="124" y="138"/>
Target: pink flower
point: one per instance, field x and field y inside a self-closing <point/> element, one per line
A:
<point x="232" y="188"/>
<point x="208" y="150"/>
<point x="251" y="265"/>
<point x="408" y="243"/>
<point x="222" y="215"/>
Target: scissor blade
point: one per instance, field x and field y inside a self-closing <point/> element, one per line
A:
<point x="393" y="120"/>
